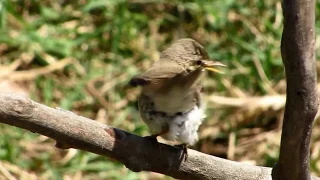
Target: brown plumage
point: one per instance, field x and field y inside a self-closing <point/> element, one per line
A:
<point x="175" y="60"/>
<point x="170" y="102"/>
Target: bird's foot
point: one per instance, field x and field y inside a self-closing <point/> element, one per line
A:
<point x="184" y="151"/>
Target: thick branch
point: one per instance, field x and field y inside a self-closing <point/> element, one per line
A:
<point x="297" y="48"/>
<point x="137" y="153"/>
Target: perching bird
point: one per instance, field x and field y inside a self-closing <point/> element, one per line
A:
<point x="170" y="102"/>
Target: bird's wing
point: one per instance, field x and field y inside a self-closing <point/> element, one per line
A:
<point x="160" y="70"/>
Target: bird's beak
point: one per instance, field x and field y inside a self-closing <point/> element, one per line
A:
<point x="210" y="65"/>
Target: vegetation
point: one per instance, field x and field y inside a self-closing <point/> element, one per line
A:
<point x="80" y="55"/>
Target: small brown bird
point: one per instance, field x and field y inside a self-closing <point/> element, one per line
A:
<point x="170" y="102"/>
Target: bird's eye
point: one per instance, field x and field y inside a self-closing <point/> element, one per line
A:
<point x="199" y="62"/>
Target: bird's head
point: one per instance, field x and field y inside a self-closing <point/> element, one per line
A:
<point x="192" y="55"/>
<point x="183" y="56"/>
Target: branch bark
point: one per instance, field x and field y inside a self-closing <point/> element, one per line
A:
<point x="136" y="153"/>
<point x="297" y="49"/>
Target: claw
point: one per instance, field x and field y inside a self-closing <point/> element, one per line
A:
<point x="184" y="151"/>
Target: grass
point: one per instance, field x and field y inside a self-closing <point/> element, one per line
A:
<point x="103" y="43"/>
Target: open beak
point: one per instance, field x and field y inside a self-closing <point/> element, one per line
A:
<point x="210" y="65"/>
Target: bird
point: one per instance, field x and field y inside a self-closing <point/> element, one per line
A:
<point x="170" y="102"/>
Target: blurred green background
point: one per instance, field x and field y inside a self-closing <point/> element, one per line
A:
<point x="79" y="55"/>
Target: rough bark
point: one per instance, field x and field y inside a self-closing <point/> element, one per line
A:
<point x="298" y="55"/>
<point x="136" y="153"/>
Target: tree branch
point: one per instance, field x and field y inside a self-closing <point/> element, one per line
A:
<point x="136" y="153"/>
<point x="298" y="55"/>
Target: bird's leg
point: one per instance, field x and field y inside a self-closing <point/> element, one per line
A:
<point x="184" y="151"/>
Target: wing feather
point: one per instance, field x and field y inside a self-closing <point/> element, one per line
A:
<point x="160" y="70"/>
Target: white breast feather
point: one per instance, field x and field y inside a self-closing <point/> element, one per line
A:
<point x="184" y="128"/>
